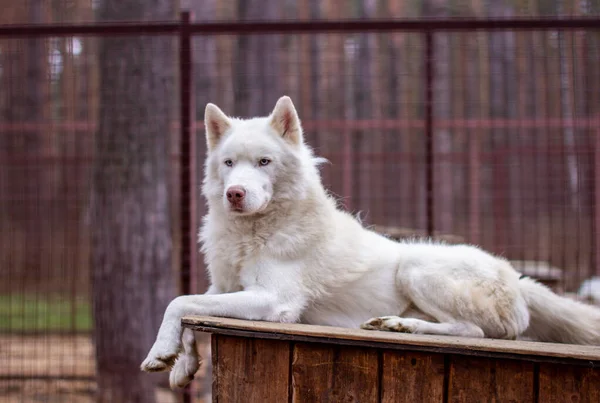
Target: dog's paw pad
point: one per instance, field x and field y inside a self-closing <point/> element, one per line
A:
<point x="158" y="364"/>
<point x="373" y="324"/>
<point x="390" y="324"/>
<point x="184" y="370"/>
<point x="179" y="380"/>
<point x="401" y="328"/>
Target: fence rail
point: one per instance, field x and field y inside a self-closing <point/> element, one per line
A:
<point x="184" y="27"/>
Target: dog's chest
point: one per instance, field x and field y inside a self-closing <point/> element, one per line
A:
<point x="239" y="257"/>
<point x="244" y="251"/>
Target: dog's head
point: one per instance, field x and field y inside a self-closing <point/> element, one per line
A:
<point x="252" y="163"/>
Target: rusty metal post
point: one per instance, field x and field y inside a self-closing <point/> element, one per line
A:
<point x="596" y="204"/>
<point x="188" y="205"/>
<point x="429" y="140"/>
<point x="187" y="157"/>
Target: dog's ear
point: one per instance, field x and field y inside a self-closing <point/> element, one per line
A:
<point x="216" y="124"/>
<point x="285" y="121"/>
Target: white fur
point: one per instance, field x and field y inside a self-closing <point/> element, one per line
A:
<point x="291" y="255"/>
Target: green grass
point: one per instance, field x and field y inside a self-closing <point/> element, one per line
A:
<point x="39" y="313"/>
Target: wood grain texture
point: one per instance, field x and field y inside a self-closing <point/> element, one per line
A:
<point x="412" y="377"/>
<point x="490" y="380"/>
<point x="563" y="383"/>
<point x="440" y="343"/>
<point x="312" y="372"/>
<point x="251" y="370"/>
<point x="214" y="356"/>
<point x="329" y="373"/>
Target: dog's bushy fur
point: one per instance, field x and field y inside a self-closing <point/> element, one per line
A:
<point x="282" y="251"/>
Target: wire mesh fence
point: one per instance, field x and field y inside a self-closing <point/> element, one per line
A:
<point x="489" y="136"/>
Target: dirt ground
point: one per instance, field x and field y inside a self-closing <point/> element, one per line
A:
<point x="32" y="365"/>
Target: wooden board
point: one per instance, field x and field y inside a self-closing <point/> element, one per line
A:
<point x="563" y="383"/>
<point x="322" y="373"/>
<point x="445" y="344"/>
<point x="409" y="377"/>
<point x="263" y="366"/>
<point x="312" y="372"/>
<point x="250" y="370"/>
<point x="490" y="380"/>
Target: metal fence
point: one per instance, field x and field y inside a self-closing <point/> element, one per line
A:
<point x="481" y="131"/>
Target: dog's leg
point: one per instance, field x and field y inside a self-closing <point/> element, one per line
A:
<point x="419" y="326"/>
<point x="249" y="304"/>
<point x="187" y="363"/>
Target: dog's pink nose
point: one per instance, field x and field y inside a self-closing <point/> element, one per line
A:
<point x="236" y="194"/>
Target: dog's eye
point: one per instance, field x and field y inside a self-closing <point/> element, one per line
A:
<point x="264" y="161"/>
<point x="229" y="163"/>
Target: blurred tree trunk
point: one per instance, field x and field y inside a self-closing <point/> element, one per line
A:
<point x="132" y="278"/>
<point x="24" y="190"/>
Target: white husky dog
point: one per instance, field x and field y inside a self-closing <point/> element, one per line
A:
<point x="278" y="249"/>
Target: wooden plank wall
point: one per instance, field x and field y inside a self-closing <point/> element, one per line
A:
<point x="247" y="369"/>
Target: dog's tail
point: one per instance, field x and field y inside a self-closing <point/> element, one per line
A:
<point x="559" y="319"/>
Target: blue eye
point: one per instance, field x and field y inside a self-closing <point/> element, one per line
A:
<point x="229" y="163"/>
<point x="264" y="161"/>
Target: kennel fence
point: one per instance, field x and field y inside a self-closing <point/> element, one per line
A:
<point x="467" y="130"/>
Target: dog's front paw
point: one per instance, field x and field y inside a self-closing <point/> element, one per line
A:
<point x="376" y="323"/>
<point x="158" y="363"/>
<point x="159" y="359"/>
<point x="372" y="324"/>
<point x="391" y="324"/>
<point x="184" y="370"/>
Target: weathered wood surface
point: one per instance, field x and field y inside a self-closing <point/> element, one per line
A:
<point x="250" y="370"/>
<point x="490" y="380"/>
<point x="322" y="373"/>
<point x="560" y="383"/>
<point x="445" y="344"/>
<point x="409" y="377"/>
<point x="269" y="362"/>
